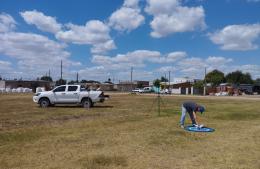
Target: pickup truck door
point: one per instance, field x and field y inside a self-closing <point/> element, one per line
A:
<point x="72" y="94"/>
<point x="59" y="94"/>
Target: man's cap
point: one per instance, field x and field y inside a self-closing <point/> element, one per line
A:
<point x="201" y="109"/>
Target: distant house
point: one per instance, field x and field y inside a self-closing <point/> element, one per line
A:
<point x="256" y="89"/>
<point x="232" y="89"/>
<point x="181" y="86"/>
<point x="129" y="86"/>
<point x="246" y="88"/>
<point x="226" y="88"/>
<point x="13" y="84"/>
<point x="107" y="87"/>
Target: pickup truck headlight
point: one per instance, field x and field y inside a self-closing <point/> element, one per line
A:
<point x="37" y="94"/>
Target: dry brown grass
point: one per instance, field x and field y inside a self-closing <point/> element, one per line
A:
<point x="125" y="132"/>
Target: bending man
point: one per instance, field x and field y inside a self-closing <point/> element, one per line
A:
<point x="192" y="108"/>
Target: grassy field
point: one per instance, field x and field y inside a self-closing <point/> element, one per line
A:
<point x="126" y="132"/>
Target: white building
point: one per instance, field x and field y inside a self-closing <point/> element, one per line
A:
<point x="180" y="85"/>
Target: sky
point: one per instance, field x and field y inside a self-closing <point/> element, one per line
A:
<point x="102" y="39"/>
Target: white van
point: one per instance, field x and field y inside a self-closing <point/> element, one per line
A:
<point x="146" y="90"/>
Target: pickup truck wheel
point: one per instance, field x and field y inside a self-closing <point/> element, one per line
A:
<point x="44" y="103"/>
<point x="86" y="103"/>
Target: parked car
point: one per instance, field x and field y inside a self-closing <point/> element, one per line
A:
<point x="222" y="94"/>
<point x="137" y="90"/>
<point x="146" y="90"/>
<point x="69" y="94"/>
<point x="165" y="91"/>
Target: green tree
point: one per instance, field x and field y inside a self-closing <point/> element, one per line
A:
<point x="72" y="82"/>
<point x="257" y="81"/>
<point x="199" y="85"/>
<point x="89" y="81"/>
<point x="238" y="77"/>
<point x="60" y="82"/>
<point x="215" y="77"/>
<point x="163" y="79"/>
<point x="46" y="78"/>
<point x="83" y="81"/>
<point x="156" y="83"/>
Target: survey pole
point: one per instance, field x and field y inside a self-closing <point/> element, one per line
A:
<point x="205" y="83"/>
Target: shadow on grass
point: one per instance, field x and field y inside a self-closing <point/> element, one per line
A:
<point x="78" y="106"/>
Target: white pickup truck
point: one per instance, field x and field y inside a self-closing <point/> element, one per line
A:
<point x="69" y="94"/>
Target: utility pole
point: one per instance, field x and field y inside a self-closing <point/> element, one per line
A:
<point x="77" y="78"/>
<point x="131" y="74"/>
<point x="49" y="73"/>
<point x="132" y="78"/>
<point x="61" y="69"/>
<point x="169" y="78"/>
<point x="205" y="83"/>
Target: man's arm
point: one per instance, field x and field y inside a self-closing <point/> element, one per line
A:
<point x="195" y="117"/>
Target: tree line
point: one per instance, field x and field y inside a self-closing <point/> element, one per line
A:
<point x="217" y="77"/>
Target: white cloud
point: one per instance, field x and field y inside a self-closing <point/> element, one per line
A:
<point x="165" y="69"/>
<point x="103" y="47"/>
<point x="138" y="58"/>
<point x="35" y="53"/>
<point x="128" y="17"/>
<point x="155" y="7"/>
<point x="214" y="60"/>
<point x="94" y="33"/>
<point x="174" y="56"/>
<point x="41" y="21"/>
<point x="135" y="58"/>
<point x="237" y="37"/>
<point x="195" y="67"/>
<point x="131" y="3"/>
<point x="193" y="62"/>
<point x="7" y="23"/>
<point x="254" y="70"/>
<point x="95" y="73"/>
<point x="170" y="17"/>
<point x="138" y="74"/>
<point x="169" y="58"/>
<point x="101" y="73"/>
